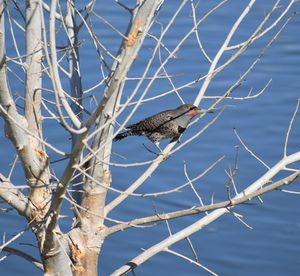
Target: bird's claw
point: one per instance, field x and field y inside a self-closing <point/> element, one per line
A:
<point x="157" y="154"/>
<point x="161" y="153"/>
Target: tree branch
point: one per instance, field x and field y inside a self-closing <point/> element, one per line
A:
<point x="31" y="157"/>
<point x="14" y="197"/>
<point x="120" y="69"/>
<point x="221" y="52"/>
<point x="256" y="186"/>
<point x="57" y="87"/>
<point x="205" y="208"/>
<point x="24" y="255"/>
<point x="33" y="84"/>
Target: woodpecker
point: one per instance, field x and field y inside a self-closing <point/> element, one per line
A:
<point x="168" y="124"/>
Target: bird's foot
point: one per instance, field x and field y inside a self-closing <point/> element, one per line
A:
<point x="157" y="154"/>
<point x="161" y="153"/>
<point x="175" y="139"/>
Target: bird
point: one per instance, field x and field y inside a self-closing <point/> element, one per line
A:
<point x="168" y="124"/>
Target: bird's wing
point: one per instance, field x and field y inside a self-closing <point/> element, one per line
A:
<point x="152" y="123"/>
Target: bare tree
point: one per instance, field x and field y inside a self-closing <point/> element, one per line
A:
<point x="92" y="121"/>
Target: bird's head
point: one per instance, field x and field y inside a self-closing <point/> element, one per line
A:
<point x="191" y="110"/>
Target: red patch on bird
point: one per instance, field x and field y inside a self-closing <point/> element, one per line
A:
<point x="192" y="113"/>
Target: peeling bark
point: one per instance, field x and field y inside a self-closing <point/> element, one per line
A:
<point x="39" y="193"/>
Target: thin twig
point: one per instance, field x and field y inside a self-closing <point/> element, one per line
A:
<point x="192" y="186"/>
<point x="249" y="150"/>
<point x="191" y="261"/>
<point x="290" y="128"/>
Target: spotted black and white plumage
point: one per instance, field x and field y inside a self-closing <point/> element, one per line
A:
<point x="168" y="124"/>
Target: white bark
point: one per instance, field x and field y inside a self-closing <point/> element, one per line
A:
<point x="200" y="224"/>
<point x="77" y="252"/>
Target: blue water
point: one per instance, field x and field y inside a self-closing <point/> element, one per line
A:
<point x="226" y="246"/>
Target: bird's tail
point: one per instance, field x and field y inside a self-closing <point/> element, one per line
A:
<point x="123" y="135"/>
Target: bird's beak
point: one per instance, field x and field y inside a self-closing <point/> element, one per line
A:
<point x="205" y="111"/>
